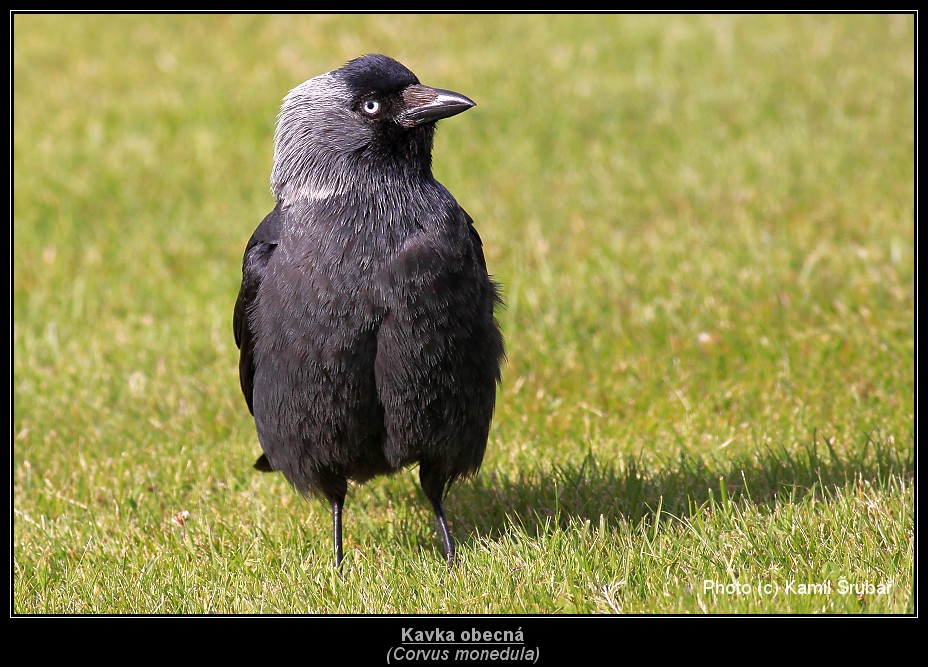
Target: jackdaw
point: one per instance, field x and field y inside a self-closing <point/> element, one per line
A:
<point x="365" y="318"/>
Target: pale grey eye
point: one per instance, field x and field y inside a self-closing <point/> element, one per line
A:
<point x="370" y="107"/>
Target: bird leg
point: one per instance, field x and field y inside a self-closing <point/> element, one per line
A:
<point x="434" y="487"/>
<point x="443" y="531"/>
<point x="337" y="504"/>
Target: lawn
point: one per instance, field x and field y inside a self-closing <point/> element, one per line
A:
<point x="704" y="227"/>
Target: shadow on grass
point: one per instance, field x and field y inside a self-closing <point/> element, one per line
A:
<point x="537" y="499"/>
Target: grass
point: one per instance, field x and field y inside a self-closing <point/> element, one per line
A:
<point x="704" y="226"/>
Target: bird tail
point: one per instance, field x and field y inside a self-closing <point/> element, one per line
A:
<point x="263" y="464"/>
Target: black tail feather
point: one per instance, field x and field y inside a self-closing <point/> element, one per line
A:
<point x="263" y="464"/>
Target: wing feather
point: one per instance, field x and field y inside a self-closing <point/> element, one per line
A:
<point x="258" y="253"/>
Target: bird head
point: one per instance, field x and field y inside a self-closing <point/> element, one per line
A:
<point x="345" y="129"/>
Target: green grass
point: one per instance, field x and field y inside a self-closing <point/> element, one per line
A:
<point x="704" y="226"/>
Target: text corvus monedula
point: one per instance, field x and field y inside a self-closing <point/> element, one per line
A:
<point x="365" y="317"/>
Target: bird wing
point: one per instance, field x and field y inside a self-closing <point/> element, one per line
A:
<point x="258" y="253"/>
<point x="475" y="238"/>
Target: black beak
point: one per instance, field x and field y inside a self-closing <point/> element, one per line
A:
<point x="426" y="105"/>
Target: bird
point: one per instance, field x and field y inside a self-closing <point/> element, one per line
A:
<point x="366" y="317"/>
